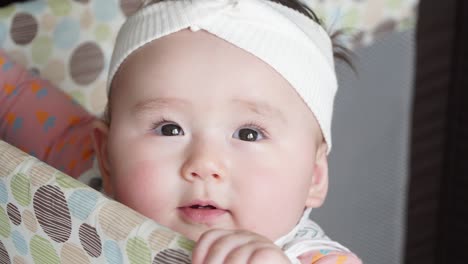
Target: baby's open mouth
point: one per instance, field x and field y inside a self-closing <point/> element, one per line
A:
<point x="201" y="212"/>
<point x="196" y="206"/>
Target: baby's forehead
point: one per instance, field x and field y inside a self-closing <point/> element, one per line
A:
<point x="194" y="59"/>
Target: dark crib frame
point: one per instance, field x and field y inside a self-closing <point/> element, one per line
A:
<point x="437" y="208"/>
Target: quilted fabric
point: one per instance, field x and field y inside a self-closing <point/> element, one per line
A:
<point x="48" y="217"/>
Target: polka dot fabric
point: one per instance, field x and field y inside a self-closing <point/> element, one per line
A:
<point x="70" y="42"/>
<point x="66" y="42"/>
<point x="48" y="217"/>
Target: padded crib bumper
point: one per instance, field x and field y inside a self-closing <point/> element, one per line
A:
<point x="49" y="217"/>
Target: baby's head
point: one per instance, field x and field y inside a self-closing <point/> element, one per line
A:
<point x="216" y="127"/>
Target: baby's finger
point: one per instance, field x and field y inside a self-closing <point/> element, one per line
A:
<point x="204" y="243"/>
<point x="246" y="254"/>
<point x="226" y="244"/>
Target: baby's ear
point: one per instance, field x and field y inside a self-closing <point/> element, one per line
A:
<point x="100" y="134"/>
<point x="319" y="185"/>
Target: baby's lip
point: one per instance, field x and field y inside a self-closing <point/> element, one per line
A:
<point x="202" y="204"/>
<point x="202" y="212"/>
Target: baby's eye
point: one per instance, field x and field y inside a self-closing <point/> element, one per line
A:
<point x="248" y="134"/>
<point x="169" y="129"/>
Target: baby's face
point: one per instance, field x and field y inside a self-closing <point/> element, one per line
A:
<point x="204" y="135"/>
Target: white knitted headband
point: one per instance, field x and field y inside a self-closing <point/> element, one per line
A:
<point x="290" y="42"/>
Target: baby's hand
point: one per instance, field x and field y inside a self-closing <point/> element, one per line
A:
<point x="236" y="247"/>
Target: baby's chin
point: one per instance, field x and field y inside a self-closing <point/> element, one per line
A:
<point x="195" y="232"/>
<point x="192" y="233"/>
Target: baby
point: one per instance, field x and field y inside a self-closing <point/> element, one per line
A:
<point x="218" y="127"/>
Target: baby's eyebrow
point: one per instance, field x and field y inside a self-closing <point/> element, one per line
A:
<point x="157" y="103"/>
<point x="261" y="108"/>
<point x="257" y="107"/>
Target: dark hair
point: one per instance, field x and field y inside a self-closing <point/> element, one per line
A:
<point x="340" y="51"/>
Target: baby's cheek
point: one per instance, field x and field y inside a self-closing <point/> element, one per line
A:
<point x="271" y="194"/>
<point x="143" y="187"/>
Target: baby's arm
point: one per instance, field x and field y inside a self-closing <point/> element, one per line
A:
<point x="42" y="120"/>
<point x="329" y="257"/>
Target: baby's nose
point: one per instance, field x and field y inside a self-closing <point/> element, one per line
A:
<point x="203" y="169"/>
<point x="204" y="175"/>
<point x="204" y="163"/>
